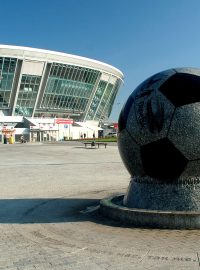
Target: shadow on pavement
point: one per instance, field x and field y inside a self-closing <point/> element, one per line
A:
<point x="50" y="210"/>
<point x="54" y="210"/>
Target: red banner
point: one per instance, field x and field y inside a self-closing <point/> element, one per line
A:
<point x="116" y="125"/>
<point x="64" y="121"/>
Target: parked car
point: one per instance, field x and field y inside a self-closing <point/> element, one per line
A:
<point x="111" y="134"/>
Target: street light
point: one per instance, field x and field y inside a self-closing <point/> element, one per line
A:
<point x="1" y="77"/>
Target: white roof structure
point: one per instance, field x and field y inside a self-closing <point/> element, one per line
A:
<point x="38" y="54"/>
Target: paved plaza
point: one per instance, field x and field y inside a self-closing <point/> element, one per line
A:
<point x="49" y="218"/>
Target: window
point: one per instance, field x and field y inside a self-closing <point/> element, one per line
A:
<point x="27" y="95"/>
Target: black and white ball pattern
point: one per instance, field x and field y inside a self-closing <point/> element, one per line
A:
<point x="159" y="126"/>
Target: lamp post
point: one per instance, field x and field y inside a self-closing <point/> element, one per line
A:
<point x="1" y="77"/>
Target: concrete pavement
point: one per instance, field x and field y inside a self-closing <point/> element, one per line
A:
<point x="49" y="219"/>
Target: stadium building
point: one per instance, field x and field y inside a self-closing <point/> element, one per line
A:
<point x="47" y="95"/>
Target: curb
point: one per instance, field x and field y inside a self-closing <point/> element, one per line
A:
<point x="112" y="208"/>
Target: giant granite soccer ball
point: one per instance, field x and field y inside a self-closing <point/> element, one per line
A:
<point x="159" y="127"/>
<point x="159" y="142"/>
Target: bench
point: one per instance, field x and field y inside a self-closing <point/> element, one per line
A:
<point x="94" y="144"/>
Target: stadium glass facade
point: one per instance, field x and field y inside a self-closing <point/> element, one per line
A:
<point x="40" y="83"/>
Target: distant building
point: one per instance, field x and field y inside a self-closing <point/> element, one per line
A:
<point x="38" y="84"/>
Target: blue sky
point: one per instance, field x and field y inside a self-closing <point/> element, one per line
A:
<point x="139" y="37"/>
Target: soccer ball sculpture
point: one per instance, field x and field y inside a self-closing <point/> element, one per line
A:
<point x="159" y="141"/>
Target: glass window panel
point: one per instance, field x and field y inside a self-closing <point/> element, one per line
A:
<point x="7" y="70"/>
<point x="27" y="95"/>
<point x="67" y="86"/>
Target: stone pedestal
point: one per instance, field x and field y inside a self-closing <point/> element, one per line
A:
<point x="149" y="193"/>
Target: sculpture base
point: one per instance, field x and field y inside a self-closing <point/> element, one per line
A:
<point x="149" y="193"/>
<point x="114" y="209"/>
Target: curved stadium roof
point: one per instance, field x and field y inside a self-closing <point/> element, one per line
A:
<point x="37" y="82"/>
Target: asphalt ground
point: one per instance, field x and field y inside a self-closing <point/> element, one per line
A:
<point x="49" y="217"/>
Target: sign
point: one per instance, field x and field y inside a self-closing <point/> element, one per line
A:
<point x="116" y="125"/>
<point x="8" y="130"/>
<point x="64" y="121"/>
<point x="34" y="128"/>
<point x="5" y="127"/>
